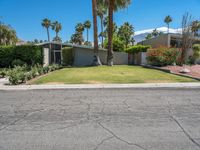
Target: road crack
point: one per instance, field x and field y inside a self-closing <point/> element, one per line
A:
<point x="20" y="119"/>
<point x="120" y="139"/>
<point x="184" y="131"/>
<point x="102" y="142"/>
<point x="181" y="127"/>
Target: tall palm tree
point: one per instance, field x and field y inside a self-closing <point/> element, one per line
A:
<point x="57" y="27"/>
<point x="87" y="25"/>
<point x="102" y="10"/>
<point x="46" y="23"/>
<point x="79" y="30"/>
<point x="168" y="20"/>
<point x="96" y="61"/>
<point x="113" y="5"/>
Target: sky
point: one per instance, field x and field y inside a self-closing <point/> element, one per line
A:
<point x="25" y="16"/>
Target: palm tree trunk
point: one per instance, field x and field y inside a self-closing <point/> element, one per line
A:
<point x="56" y="34"/>
<point x="110" y="33"/>
<point x="49" y="44"/>
<point x="168" y="28"/>
<point x="96" y="61"/>
<point x="48" y="34"/>
<point x="87" y="34"/>
<point x="102" y="32"/>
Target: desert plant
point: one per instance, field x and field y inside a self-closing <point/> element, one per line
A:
<point x="163" y="56"/>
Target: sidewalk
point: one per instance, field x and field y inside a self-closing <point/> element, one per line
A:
<point x="100" y="86"/>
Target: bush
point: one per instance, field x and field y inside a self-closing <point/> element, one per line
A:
<point x="68" y="56"/>
<point x="163" y="56"/>
<point x="17" y="75"/>
<point x="3" y="73"/>
<point x="118" y="45"/>
<point x="29" y="54"/>
<point x="18" y="62"/>
<point x="196" y="55"/>
<point x="20" y="74"/>
<point x="137" y="48"/>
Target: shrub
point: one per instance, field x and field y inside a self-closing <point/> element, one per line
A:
<point x="46" y="69"/>
<point x="68" y="56"/>
<point x="17" y="75"/>
<point x="20" y="74"/>
<point x="163" y="56"/>
<point x="118" y="45"/>
<point x="137" y="48"/>
<point x="18" y="62"/>
<point x="30" y="54"/>
<point x="196" y="55"/>
<point x="3" y="73"/>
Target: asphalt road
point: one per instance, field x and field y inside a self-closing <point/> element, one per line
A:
<point x="100" y="119"/>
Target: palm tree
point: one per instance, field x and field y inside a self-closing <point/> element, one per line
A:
<point x="57" y="27"/>
<point x="79" y="30"/>
<point x="195" y="27"/>
<point x="96" y="60"/>
<point x="87" y="25"/>
<point x="46" y="23"/>
<point x="168" y="20"/>
<point x="113" y="5"/>
<point x="102" y="10"/>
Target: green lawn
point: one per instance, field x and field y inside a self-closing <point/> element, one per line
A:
<point x="104" y="74"/>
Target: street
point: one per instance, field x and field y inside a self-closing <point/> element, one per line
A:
<point x="100" y="119"/>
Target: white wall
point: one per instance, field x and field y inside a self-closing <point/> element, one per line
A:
<point x="85" y="57"/>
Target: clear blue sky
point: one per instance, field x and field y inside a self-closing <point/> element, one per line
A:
<point x="26" y="15"/>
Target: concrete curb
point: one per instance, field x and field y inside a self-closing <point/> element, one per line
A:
<point x="100" y="86"/>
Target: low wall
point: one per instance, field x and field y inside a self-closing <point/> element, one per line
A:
<point x="84" y="56"/>
<point x="140" y="58"/>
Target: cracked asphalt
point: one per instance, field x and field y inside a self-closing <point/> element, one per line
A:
<point x="100" y="119"/>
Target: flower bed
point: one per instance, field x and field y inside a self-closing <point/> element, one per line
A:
<point x="21" y="74"/>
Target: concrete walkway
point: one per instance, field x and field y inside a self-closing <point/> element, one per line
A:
<point x="100" y="86"/>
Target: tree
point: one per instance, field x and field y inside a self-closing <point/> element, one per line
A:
<point x="87" y="25"/>
<point x="155" y="33"/>
<point x="76" y="38"/>
<point x="79" y="30"/>
<point x="149" y="36"/>
<point x="126" y="32"/>
<point x="113" y="5"/>
<point x="57" y="27"/>
<point x="168" y="20"/>
<point x="96" y="60"/>
<point x="187" y="37"/>
<point x="195" y="27"/>
<point x="46" y="23"/>
<point x="132" y="41"/>
<point x="101" y="12"/>
<point x="7" y="35"/>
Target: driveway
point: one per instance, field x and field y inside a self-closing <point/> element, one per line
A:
<point x="100" y="119"/>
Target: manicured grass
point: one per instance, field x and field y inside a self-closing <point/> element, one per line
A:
<point x="104" y="74"/>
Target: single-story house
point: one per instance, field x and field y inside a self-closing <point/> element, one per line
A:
<point x="166" y="40"/>
<point x="83" y="55"/>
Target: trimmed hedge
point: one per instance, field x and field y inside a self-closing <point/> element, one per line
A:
<point x="137" y="48"/>
<point x="29" y="54"/>
<point x="67" y="56"/>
